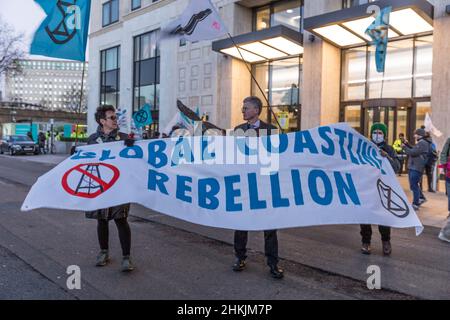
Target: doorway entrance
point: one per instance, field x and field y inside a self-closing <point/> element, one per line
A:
<point x="397" y="114"/>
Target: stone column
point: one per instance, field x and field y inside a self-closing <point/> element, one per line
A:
<point x="233" y="78"/>
<point x="321" y="72"/>
<point x="440" y="94"/>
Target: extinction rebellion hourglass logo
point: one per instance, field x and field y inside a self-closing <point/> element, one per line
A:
<point x="67" y="28"/>
<point x="392" y="201"/>
<point x="90" y="180"/>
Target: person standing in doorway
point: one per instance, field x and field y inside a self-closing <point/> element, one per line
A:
<point x="401" y="156"/>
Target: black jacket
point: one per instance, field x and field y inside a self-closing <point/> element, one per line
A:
<point x="392" y="156"/>
<point x="117" y="212"/>
<point x="262" y="126"/>
<point x="111" y="137"/>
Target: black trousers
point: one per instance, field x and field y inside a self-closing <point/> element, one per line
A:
<point x="366" y="233"/>
<point x="270" y="245"/>
<point x="429" y="174"/>
<point x="124" y="234"/>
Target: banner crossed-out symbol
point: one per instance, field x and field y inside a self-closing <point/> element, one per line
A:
<point x="90" y="178"/>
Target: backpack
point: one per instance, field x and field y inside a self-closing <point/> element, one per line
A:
<point x="432" y="155"/>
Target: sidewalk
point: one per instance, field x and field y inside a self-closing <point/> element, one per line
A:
<point x="432" y="213"/>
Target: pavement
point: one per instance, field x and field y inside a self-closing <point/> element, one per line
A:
<point x="179" y="260"/>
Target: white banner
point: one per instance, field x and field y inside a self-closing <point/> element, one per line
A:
<point x="199" y="21"/>
<point x="323" y="176"/>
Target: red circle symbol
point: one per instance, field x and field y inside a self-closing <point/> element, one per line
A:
<point x="90" y="180"/>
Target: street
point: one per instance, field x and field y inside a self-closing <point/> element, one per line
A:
<point x="178" y="260"/>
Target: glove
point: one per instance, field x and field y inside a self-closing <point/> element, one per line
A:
<point x="129" y="142"/>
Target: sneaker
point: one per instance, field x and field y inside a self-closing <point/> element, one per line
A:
<point x="422" y="201"/>
<point x="443" y="237"/>
<point x="387" y="248"/>
<point x="365" y="249"/>
<point x="102" y="258"/>
<point x="239" y="265"/>
<point x="415" y="207"/>
<point x="127" y="265"/>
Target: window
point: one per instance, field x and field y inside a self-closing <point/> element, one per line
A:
<point x="408" y="71"/>
<point x="147" y="74"/>
<point x="280" y="81"/>
<point x="423" y="66"/>
<point x="422" y="109"/>
<point x="287" y="13"/>
<point x="398" y="73"/>
<point x="110" y="76"/>
<point x="135" y="4"/>
<point x="354" y="3"/>
<point x="110" y="12"/>
<point x="354" y="73"/>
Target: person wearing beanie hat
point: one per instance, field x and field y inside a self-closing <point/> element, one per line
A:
<point x="378" y="133"/>
<point x="418" y="158"/>
<point x="379" y="126"/>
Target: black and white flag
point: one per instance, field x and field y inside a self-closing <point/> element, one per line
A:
<point x="199" y="21"/>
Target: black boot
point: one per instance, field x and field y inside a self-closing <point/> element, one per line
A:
<point x="239" y="265"/>
<point x="276" y="272"/>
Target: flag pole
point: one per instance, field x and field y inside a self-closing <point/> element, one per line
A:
<point x="257" y="84"/>
<point x="81" y="102"/>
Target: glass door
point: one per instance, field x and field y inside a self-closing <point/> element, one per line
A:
<point x="395" y="118"/>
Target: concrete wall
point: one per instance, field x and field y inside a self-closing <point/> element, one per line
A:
<point x="440" y="96"/>
<point x="234" y="81"/>
<point x="321" y="73"/>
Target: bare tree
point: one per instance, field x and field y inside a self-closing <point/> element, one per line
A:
<point x="71" y="100"/>
<point x="10" y="49"/>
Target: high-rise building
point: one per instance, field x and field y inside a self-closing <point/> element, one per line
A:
<point x="51" y="84"/>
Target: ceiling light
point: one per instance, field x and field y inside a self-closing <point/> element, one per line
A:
<point x="264" y="50"/>
<point x="339" y="35"/>
<point x="360" y="26"/>
<point x="248" y="56"/>
<point x="285" y="45"/>
<point x="407" y="21"/>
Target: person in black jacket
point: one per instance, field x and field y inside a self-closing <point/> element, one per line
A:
<point x="108" y="131"/>
<point x="251" y="111"/>
<point x="378" y="134"/>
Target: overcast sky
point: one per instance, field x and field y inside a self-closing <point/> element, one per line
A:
<point x="25" y="16"/>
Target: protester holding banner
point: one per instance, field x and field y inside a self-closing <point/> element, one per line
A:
<point x="378" y="133"/>
<point x="251" y="110"/>
<point x="108" y="132"/>
<point x="418" y="157"/>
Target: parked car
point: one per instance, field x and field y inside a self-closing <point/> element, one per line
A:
<point x="18" y="144"/>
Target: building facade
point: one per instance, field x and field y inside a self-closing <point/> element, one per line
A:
<point x="309" y="60"/>
<point x="53" y="85"/>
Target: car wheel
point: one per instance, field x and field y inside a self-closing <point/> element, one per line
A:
<point x="1" y="151"/>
